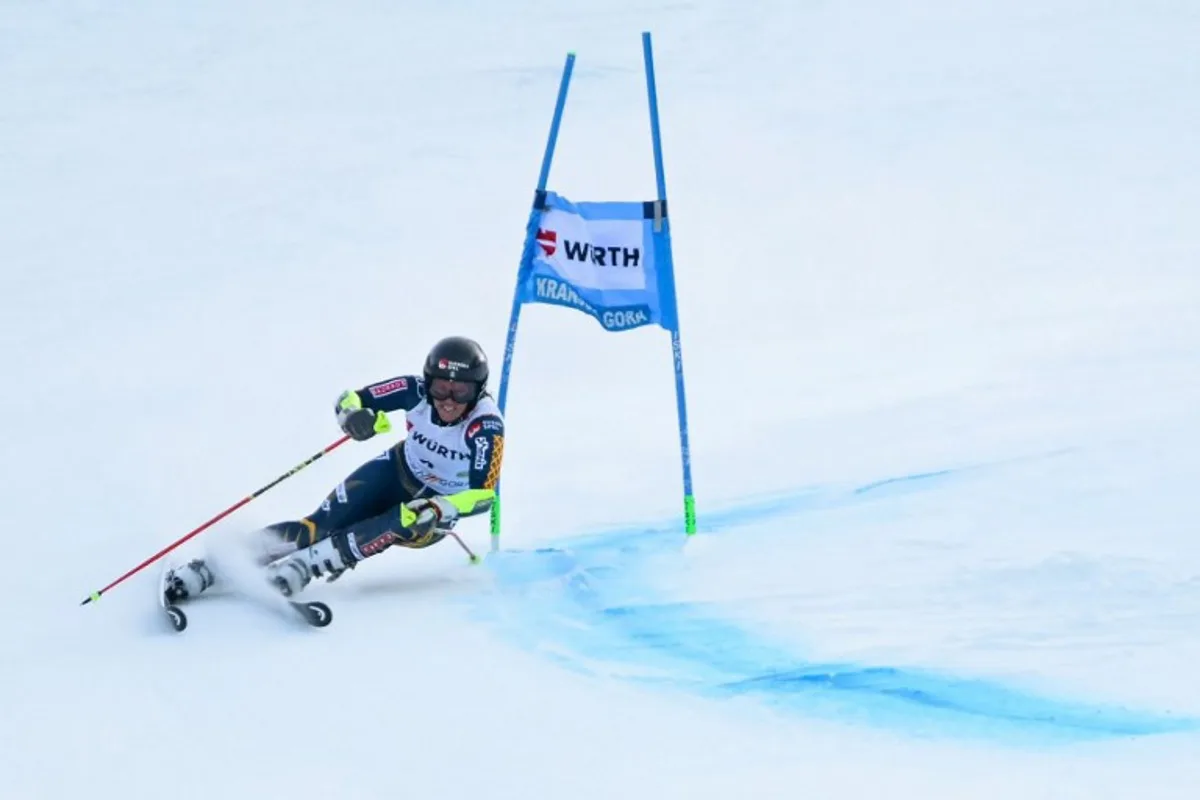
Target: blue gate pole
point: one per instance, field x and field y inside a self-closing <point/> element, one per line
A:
<point x="526" y="264"/>
<point x="689" y="499"/>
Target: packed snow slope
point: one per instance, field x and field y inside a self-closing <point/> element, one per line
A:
<point x="937" y="275"/>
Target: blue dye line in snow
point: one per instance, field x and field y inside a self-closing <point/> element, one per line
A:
<point x="773" y="506"/>
<point x="590" y="606"/>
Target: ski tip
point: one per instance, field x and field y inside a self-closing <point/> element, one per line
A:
<point x="178" y="619"/>
<point x="315" y="613"/>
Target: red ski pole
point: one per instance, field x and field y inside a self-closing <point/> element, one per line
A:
<point x="96" y="595"/>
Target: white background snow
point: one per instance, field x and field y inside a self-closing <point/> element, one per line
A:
<point x="931" y="239"/>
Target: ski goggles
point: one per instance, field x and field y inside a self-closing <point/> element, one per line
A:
<point x="458" y="391"/>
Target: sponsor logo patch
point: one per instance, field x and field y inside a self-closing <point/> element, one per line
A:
<point x="379" y="543"/>
<point x="481" y="452"/>
<point x="438" y="449"/>
<point x="490" y="424"/>
<point x="391" y="387"/>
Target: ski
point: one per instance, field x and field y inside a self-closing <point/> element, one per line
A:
<point x="174" y="613"/>
<point x="315" y="613"/>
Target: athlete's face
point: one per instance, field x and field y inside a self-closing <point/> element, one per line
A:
<point x="448" y="410"/>
<point x="450" y="398"/>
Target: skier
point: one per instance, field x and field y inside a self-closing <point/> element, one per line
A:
<point x="410" y="495"/>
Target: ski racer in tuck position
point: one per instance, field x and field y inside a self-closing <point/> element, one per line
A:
<point x="410" y="495"/>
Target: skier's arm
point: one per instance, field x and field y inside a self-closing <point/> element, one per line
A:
<point x="402" y="393"/>
<point x="485" y="445"/>
<point x="360" y="411"/>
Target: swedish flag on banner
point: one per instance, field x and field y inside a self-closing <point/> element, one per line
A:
<point x="609" y="260"/>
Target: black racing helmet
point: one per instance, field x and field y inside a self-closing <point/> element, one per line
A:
<point x="458" y="358"/>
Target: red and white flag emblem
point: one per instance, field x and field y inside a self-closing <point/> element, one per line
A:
<point x="548" y="241"/>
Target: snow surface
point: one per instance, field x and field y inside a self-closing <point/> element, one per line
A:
<point x="937" y="273"/>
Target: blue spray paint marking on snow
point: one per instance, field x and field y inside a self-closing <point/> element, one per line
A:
<point x="590" y="607"/>
<point x="773" y="506"/>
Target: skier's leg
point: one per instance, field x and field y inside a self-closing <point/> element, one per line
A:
<point x="342" y="548"/>
<point x="187" y="580"/>
<point x="366" y="492"/>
